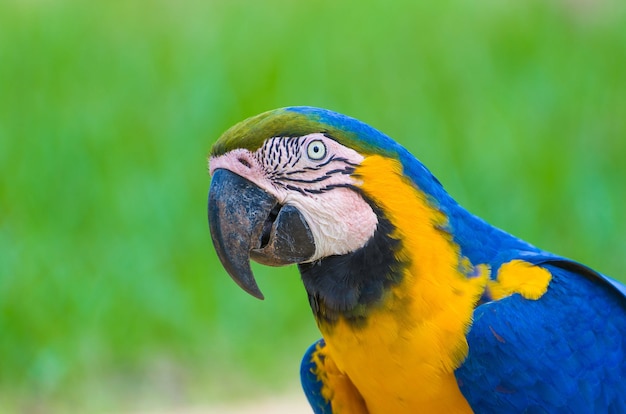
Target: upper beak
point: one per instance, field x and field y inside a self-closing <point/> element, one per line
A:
<point x="247" y="222"/>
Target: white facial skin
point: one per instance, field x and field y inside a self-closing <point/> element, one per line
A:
<point x="313" y="174"/>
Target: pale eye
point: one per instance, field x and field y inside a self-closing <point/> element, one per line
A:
<point x="316" y="150"/>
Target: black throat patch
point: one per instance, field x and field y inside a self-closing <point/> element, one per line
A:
<point x="350" y="285"/>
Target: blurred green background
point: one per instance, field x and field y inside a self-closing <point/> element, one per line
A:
<point x="111" y="296"/>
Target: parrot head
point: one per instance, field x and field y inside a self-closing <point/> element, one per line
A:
<point x="288" y="187"/>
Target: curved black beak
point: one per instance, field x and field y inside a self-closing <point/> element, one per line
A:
<point x="247" y="222"/>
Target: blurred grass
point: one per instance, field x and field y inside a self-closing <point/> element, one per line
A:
<point x="110" y="293"/>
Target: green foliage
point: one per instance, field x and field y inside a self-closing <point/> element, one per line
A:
<point x="110" y="292"/>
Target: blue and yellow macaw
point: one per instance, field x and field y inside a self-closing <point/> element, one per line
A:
<point x="423" y="307"/>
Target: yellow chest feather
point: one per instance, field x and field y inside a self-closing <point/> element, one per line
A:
<point x="400" y="363"/>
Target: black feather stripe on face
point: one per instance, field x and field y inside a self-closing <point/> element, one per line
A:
<point x="279" y="157"/>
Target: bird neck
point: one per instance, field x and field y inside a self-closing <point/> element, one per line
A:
<point x="413" y="329"/>
<point x="412" y="241"/>
<point x="426" y="262"/>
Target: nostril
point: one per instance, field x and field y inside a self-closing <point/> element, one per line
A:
<point x="244" y="162"/>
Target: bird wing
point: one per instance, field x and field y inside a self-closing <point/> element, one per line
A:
<point x="312" y="381"/>
<point x="563" y="352"/>
<point x="328" y="390"/>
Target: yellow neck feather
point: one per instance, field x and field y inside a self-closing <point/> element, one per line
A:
<point x="416" y="337"/>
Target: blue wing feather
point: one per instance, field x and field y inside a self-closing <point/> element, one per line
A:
<point x="310" y="382"/>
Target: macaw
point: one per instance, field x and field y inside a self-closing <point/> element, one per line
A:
<point x="422" y="306"/>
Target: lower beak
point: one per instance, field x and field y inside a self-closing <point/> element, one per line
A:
<point x="247" y="222"/>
